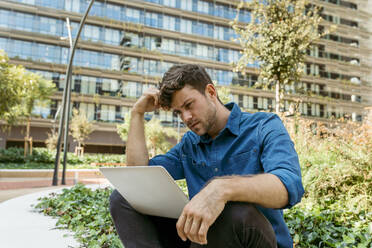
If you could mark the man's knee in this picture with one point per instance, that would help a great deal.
(244, 215)
(117, 201)
(243, 222)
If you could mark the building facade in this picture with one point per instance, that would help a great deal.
(126, 46)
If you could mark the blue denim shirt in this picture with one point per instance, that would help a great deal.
(249, 144)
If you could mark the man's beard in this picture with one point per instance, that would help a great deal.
(210, 121)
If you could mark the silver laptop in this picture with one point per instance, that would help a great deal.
(148, 189)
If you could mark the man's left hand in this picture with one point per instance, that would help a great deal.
(201, 212)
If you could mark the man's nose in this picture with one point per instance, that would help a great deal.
(186, 116)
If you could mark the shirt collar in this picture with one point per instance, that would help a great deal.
(233, 123)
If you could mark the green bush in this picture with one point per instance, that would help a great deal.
(41, 155)
(12, 155)
(85, 212)
(326, 227)
(44, 158)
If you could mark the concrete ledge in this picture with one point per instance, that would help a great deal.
(21, 226)
(48, 173)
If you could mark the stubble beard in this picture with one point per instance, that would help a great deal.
(210, 121)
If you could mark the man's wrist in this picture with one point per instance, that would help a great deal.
(135, 112)
(224, 187)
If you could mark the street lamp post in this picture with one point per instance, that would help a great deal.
(66, 99)
(67, 118)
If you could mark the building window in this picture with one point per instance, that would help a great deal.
(88, 109)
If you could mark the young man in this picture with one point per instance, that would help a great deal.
(241, 170)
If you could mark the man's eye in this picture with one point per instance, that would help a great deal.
(188, 105)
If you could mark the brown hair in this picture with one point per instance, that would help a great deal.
(177, 77)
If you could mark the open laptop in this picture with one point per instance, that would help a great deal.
(148, 189)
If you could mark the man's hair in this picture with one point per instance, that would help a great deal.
(177, 77)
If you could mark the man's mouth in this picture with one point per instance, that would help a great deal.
(193, 125)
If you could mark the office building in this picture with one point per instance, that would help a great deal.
(126, 46)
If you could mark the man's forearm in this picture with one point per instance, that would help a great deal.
(264, 189)
(136, 150)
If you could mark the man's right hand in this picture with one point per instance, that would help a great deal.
(148, 102)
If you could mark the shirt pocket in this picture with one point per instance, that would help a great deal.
(243, 163)
(197, 167)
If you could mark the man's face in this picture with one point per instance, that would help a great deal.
(196, 110)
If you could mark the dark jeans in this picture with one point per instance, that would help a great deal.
(239, 225)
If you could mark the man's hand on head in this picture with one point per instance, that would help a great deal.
(200, 213)
(148, 102)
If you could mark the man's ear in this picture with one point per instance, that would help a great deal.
(211, 91)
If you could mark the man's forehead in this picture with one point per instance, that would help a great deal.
(178, 101)
(181, 96)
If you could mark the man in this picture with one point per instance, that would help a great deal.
(241, 170)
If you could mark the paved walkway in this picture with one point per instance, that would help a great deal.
(21, 226)
(11, 187)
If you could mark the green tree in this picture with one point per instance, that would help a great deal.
(51, 141)
(224, 94)
(10, 88)
(20, 91)
(157, 136)
(277, 38)
(80, 129)
(35, 90)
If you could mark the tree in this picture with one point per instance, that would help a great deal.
(80, 129)
(35, 90)
(224, 94)
(51, 141)
(157, 136)
(277, 38)
(10, 88)
(20, 90)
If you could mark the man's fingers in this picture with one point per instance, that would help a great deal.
(194, 230)
(203, 230)
(180, 227)
(153, 93)
(188, 224)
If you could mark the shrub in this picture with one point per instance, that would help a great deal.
(45, 156)
(85, 212)
(12, 155)
(321, 226)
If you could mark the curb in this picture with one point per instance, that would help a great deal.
(22, 226)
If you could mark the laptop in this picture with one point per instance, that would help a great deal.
(150, 190)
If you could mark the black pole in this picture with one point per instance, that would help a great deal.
(67, 120)
(66, 91)
(61, 120)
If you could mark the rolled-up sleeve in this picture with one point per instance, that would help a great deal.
(171, 161)
(279, 157)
